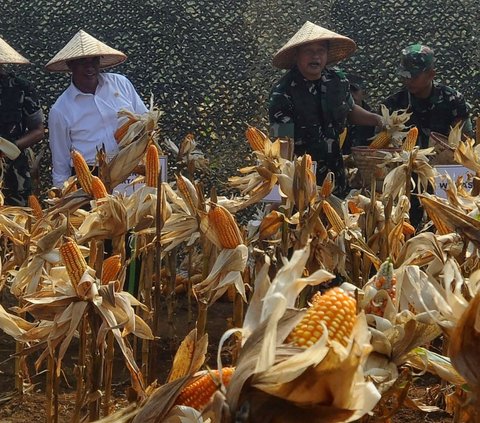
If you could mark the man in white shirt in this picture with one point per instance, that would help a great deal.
(84, 117)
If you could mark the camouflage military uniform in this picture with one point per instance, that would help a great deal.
(319, 112)
(441, 110)
(18, 107)
(437, 113)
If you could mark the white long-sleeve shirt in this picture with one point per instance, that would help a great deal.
(84, 121)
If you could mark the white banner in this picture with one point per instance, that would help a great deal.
(454, 171)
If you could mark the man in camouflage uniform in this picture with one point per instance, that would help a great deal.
(316, 99)
(434, 106)
(21, 122)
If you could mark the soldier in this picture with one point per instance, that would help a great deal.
(434, 106)
(21, 122)
(314, 100)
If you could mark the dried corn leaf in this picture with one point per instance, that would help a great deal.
(189, 356)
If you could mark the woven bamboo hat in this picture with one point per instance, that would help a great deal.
(9, 55)
(340, 47)
(84, 45)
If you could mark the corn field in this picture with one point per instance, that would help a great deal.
(336, 305)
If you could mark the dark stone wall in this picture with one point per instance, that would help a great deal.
(207, 62)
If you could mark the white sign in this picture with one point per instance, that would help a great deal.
(454, 171)
(128, 187)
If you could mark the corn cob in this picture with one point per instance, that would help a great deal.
(222, 221)
(34, 204)
(198, 393)
(334, 219)
(440, 225)
(381, 140)
(152, 166)
(410, 139)
(256, 138)
(327, 185)
(385, 279)
(342, 137)
(123, 128)
(335, 309)
(82, 171)
(76, 220)
(110, 268)
(408, 229)
(98, 188)
(73, 259)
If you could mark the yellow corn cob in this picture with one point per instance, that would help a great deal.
(440, 225)
(222, 221)
(327, 185)
(333, 218)
(76, 220)
(84, 176)
(110, 268)
(410, 139)
(152, 166)
(342, 137)
(197, 394)
(256, 138)
(335, 309)
(73, 259)
(385, 279)
(34, 204)
(98, 188)
(408, 229)
(123, 128)
(381, 140)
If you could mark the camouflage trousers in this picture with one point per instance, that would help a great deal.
(17, 183)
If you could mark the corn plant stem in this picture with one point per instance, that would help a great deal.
(18, 361)
(19, 358)
(145, 296)
(96, 367)
(80, 370)
(171, 297)
(51, 412)
(157, 294)
(189, 290)
(108, 373)
(237, 322)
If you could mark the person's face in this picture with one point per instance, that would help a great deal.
(85, 71)
(420, 84)
(312, 58)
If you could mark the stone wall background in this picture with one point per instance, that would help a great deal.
(208, 62)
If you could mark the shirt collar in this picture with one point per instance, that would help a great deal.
(74, 92)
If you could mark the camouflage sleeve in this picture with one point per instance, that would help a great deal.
(32, 112)
(280, 108)
(460, 110)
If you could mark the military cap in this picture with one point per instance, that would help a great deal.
(414, 60)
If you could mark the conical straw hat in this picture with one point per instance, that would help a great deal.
(340, 47)
(9, 55)
(84, 45)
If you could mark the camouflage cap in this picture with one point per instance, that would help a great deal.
(415, 60)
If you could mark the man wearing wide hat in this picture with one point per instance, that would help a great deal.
(312, 102)
(84, 117)
(21, 123)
